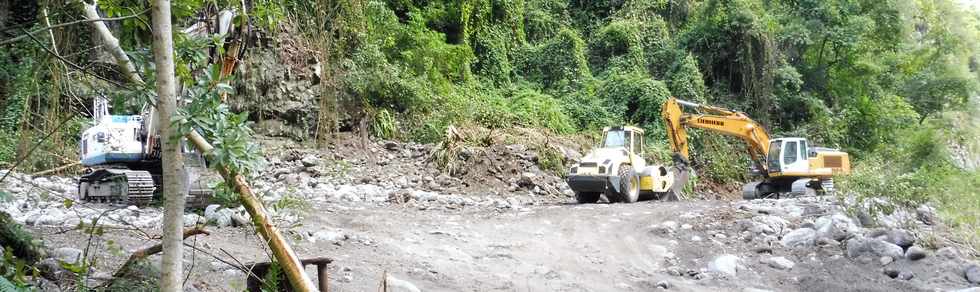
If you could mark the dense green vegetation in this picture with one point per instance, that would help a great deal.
(892, 82)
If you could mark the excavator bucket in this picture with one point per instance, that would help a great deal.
(682, 174)
(681, 177)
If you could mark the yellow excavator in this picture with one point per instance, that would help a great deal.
(788, 166)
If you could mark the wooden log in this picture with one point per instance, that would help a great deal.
(56, 169)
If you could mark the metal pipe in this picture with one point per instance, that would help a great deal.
(687, 103)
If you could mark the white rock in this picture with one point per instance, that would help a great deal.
(972, 273)
(67, 254)
(837, 227)
(770, 224)
(666, 227)
(241, 218)
(330, 236)
(726, 264)
(192, 219)
(399, 285)
(210, 209)
(803, 237)
(220, 217)
(779, 263)
(884, 261)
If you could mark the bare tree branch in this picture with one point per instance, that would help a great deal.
(23, 36)
(73, 65)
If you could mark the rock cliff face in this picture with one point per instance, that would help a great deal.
(278, 88)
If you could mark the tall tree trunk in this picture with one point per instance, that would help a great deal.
(173, 164)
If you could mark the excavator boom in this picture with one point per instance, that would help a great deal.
(724, 121)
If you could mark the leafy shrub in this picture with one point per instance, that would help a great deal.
(491, 47)
(536, 109)
(543, 19)
(620, 38)
(685, 80)
(8, 145)
(722, 158)
(636, 97)
(875, 122)
(384, 125)
(556, 63)
(586, 111)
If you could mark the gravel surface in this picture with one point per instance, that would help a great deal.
(516, 230)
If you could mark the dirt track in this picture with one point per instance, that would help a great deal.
(558, 247)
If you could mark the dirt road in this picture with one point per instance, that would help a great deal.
(553, 247)
(545, 248)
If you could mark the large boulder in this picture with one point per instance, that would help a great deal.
(837, 227)
(218, 216)
(899, 237)
(310, 161)
(67, 255)
(915, 253)
(399, 285)
(725, 264)
(859, 246)
(927, 215)
(190, 220)
(972, 273)
(778, 262)
(802, 237)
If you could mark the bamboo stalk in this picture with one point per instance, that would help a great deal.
(283, 253)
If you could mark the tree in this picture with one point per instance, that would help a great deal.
(173, 164)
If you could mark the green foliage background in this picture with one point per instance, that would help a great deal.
(892, 81)
(853, 74)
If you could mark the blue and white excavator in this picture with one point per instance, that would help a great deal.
(122, 159)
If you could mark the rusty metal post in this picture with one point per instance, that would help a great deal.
(322, 278)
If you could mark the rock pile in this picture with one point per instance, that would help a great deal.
(781, 235)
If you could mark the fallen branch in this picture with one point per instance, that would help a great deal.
(56, 169)
(155, 249)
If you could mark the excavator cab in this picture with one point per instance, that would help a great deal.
(788, 156)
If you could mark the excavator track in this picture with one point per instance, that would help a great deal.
(120, 186)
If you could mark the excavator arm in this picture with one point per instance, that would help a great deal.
(715, 119)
